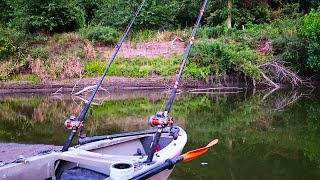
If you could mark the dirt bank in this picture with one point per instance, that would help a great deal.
(146, 50)
(67, 85)
(12, 151)
(113, 83)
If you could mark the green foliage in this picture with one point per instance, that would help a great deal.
(5, 12)
(159, 14)
(139, 67)
(94, 68)
(89, 8)
(46, 16)
(288, 11)
(311, 31)
(41, 53)
(101, 35)
(256, 12)
(156, 14)
(146, 35)
(211, 32)
(293, 51)
(33, 78)
(7, 47)
(218, 58)
(11, 42)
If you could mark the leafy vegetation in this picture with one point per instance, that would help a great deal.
(311, 32)
(43, 38)
(101, 35)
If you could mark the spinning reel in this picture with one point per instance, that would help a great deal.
(72, 123)
(160, 120)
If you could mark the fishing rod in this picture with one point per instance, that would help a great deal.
(161, 119)
(178, 78)
(74, 123)
(172, 132)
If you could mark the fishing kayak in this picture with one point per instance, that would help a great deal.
(123, 157)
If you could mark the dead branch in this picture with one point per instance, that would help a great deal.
(281, 101)
(270, 82)
(89, 89)
(57, 92)
(290, 99)
(177, 38)
(81, 76)
(277, 71)
(86, 101)
(269, 93)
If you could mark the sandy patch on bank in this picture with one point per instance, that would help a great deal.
(146, 50)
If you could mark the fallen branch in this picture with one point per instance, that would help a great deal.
(270, 82)
(269, 93)
(277, 71)
(86, 101)
(81, 76)
(57, 92)
(281, 101)
(89, 89)
(177, 38)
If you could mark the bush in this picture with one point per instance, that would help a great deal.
(46, 16)
(101, 35)
(11, 42)
(5, 12)
(7, 47)
(211, 32)
(155, 14)
(221, 58)
(310, 31)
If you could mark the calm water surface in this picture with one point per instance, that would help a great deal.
(262, 135)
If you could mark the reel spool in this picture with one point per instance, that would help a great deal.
(159, 120)
(73, 123)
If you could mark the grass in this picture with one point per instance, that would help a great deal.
(139, 67)
(32, 78)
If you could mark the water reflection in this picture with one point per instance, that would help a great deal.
(265, 135)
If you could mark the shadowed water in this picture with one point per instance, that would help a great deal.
(262, 135)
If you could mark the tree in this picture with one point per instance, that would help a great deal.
(46, 16)
(5, 11)
(156, 14)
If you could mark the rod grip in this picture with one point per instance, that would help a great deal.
(69, 141)
(168, 164)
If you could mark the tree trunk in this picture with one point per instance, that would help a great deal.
(229, 20)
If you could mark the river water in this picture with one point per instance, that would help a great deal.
(262, 135)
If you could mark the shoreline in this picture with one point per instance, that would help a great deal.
(113, 83)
